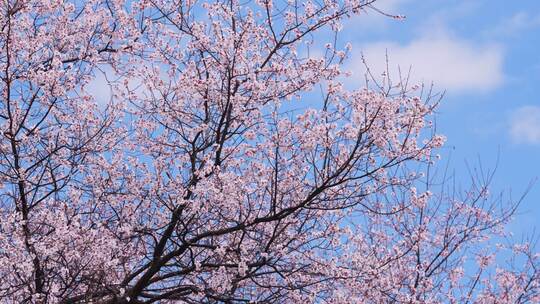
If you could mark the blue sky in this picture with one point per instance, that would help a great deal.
(486, 55)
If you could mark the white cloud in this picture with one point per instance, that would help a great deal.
(450, 63)
(517, 23)
(100, 86)
(525, 125)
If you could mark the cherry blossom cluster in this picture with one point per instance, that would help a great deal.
(230, 163)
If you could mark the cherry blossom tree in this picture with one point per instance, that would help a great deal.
(230, 164)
